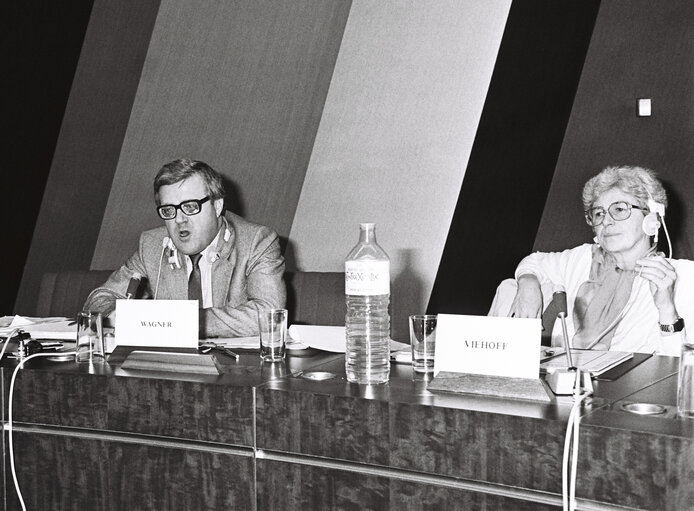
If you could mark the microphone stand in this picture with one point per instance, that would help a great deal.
(572, 380)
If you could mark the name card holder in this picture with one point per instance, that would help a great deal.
(498, 357)
(162, 323)
(494, 386)
(166, 361)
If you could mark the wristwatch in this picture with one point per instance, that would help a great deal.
(677, 326)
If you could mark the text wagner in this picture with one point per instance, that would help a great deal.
(156, 324)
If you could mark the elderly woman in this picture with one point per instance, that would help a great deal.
(622, 294)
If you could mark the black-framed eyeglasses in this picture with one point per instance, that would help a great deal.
(189, 207)
(619, 210)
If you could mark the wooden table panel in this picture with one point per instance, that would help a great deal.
(649, 458)
(289, 487)
(61, 472)
(163, 407)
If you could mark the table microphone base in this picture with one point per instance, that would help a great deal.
(563, 381)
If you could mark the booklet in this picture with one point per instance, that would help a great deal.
(593, 361)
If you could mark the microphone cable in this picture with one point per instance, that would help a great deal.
(161, 257)
(667, 236)
(568, 479)
(9, 418)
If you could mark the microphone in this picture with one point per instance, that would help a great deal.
(559, 298)
(570, 380)
(133, 285)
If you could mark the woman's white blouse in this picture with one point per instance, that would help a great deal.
(638, 330)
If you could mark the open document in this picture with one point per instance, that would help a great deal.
(593, 361)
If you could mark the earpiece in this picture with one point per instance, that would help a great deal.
(168, 243)
(173, 252)
(651, 222)
(227, 234)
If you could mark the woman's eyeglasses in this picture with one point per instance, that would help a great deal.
(618, 211)
(189, 207)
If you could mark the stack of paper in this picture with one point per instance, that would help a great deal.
(300, 337)
(40, 328)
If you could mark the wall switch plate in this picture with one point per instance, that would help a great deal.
(643, 107)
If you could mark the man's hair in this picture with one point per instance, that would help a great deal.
(178, 170)
(640, 182)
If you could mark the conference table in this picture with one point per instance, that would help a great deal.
(297, 435)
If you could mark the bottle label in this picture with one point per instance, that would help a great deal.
(367, 278)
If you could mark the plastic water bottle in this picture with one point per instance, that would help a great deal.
(367, 323)
(685, 386)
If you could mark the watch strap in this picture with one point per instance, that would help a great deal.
(677, 326)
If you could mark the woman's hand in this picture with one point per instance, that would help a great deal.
(528, 300)
(661, 276)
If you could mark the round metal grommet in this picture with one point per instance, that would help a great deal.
(318, 375)
(643, 408)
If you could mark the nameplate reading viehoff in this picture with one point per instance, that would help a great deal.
(488, 345)
(165, 323)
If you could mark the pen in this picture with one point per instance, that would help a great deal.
(228, 352)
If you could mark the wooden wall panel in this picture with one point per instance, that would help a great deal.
(639, 49)
(238, 84)
(396, 133)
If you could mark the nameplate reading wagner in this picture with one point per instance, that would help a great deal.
(166, 323)
(488, 345)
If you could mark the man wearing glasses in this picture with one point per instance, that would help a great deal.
(231, 266)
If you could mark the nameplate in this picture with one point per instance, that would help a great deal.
(488, 345)
(172, 362)
(165, 323)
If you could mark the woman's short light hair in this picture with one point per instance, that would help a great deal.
(640, 182)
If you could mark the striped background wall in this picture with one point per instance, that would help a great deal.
(446, 123)
(396, 132)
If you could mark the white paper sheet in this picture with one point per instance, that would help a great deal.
(60, 328)
(328, 338)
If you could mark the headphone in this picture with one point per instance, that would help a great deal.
(213, 255)
(651, 222)
(167, 243)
